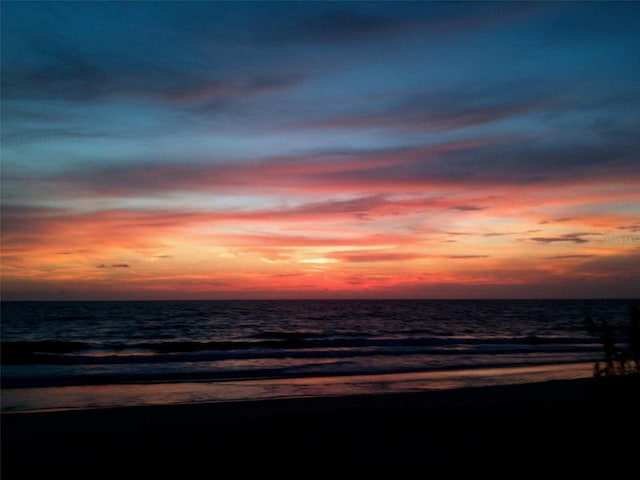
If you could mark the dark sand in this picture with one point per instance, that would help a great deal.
(557, 428)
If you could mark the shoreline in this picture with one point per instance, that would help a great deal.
(555, 420)
(90, 396)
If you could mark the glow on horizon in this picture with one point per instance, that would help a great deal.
(320, 150)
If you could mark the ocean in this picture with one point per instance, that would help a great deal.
(78, 355)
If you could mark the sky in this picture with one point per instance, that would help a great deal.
(246, 150)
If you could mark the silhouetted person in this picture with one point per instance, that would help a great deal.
(634, 336)
(607, 342)
(597, 370)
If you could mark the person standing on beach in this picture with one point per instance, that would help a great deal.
(634, 336)
(608, 344)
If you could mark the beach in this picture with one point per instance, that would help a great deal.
(577, 426)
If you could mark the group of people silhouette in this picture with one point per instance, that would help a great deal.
(618, 360)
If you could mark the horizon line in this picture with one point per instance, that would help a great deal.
(390, 299)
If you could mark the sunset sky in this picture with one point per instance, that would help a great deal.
(210, 150)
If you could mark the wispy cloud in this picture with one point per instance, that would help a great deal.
(569, 257)
(440, 110)
(369, 256)
(570, 237)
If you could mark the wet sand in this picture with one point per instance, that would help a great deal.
(572, 427)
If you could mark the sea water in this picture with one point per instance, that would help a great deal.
(59, 355)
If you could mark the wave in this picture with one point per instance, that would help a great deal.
(81, 353)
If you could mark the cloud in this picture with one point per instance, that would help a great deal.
(333, 25)
(468, 208)
(348, 22)
(451, 166)
(451, 108)
(324, 170)
(59, 63)
(27, 220)
(369, 256)
(77, 79)
(245, 87)
(623, 267)
(569, 237)
(631, 228)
